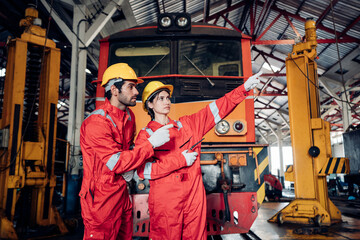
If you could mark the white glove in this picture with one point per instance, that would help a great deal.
(190, 157)
(160, 136)
(128, 175)
(252, 81)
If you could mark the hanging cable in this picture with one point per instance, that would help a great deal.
(338, 99)
(163, 5)
(340, 64)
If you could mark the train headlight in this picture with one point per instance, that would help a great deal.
(183, 21)
(238, 126)
(174, 22)
(165, 21)
(222, 127)
(231, 127)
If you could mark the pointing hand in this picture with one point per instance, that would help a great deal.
(128, 175)
(252, 81)
(160, 136)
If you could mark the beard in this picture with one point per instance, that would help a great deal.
(127, 102)
(130, 104)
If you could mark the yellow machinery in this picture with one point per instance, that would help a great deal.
(310, 137)
(28, 131)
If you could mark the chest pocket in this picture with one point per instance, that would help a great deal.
(175, 137)
(185, 135)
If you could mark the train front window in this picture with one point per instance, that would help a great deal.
(146, 58)
(210, 58)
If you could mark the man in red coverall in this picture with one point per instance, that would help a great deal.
(177, 199)
(106, 136)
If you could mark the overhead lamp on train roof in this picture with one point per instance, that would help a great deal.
(174, 22)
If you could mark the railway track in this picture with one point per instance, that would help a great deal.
(350, 208)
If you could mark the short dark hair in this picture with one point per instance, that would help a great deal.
(118, 85)
(151, 99)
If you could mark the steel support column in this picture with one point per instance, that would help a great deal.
(77, 85)
(346, 112)
(280, 145)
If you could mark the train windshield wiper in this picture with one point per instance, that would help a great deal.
(198, 69)
(157, 63)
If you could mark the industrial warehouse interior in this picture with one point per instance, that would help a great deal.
(278, 157)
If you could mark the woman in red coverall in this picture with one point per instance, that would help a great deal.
(106, 136)
(177, 200)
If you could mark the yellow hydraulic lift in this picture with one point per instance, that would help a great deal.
(310, 138)
(28, 131)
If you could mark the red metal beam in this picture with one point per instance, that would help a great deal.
(339, 116)
(297, 17)
(270, 25)
(67, 97)
(255, 11)
(264, 57)
(232, 25)
(271, 85)
(291, 41)
(257, 21)
(273, 74)
(274, 42)
(356, 116)
(216, 20)
(350, 26)
(323, 15)
(334, 118)
(268, 55)
(271, 94)
(286, 14)
(340, 40)
(291, 25)
(252, 21)
(266, 108)
(226, 10)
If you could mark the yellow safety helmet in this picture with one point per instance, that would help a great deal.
(153, 87)
(119, 71)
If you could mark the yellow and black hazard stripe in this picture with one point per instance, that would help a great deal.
(335, 165)
(262, 157)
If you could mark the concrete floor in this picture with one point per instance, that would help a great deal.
(348, 229)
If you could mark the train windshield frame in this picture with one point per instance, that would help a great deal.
(199, 56)
(210, 57)
(147, 58)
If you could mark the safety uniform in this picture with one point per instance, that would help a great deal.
(105, 138)
(177, 199)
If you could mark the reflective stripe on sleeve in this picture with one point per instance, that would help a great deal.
(97, 112)
(215, 112)
(147, 170)
(179, 124)
(108, 117)
(102, 113)
(113, 160)
(149, 131)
